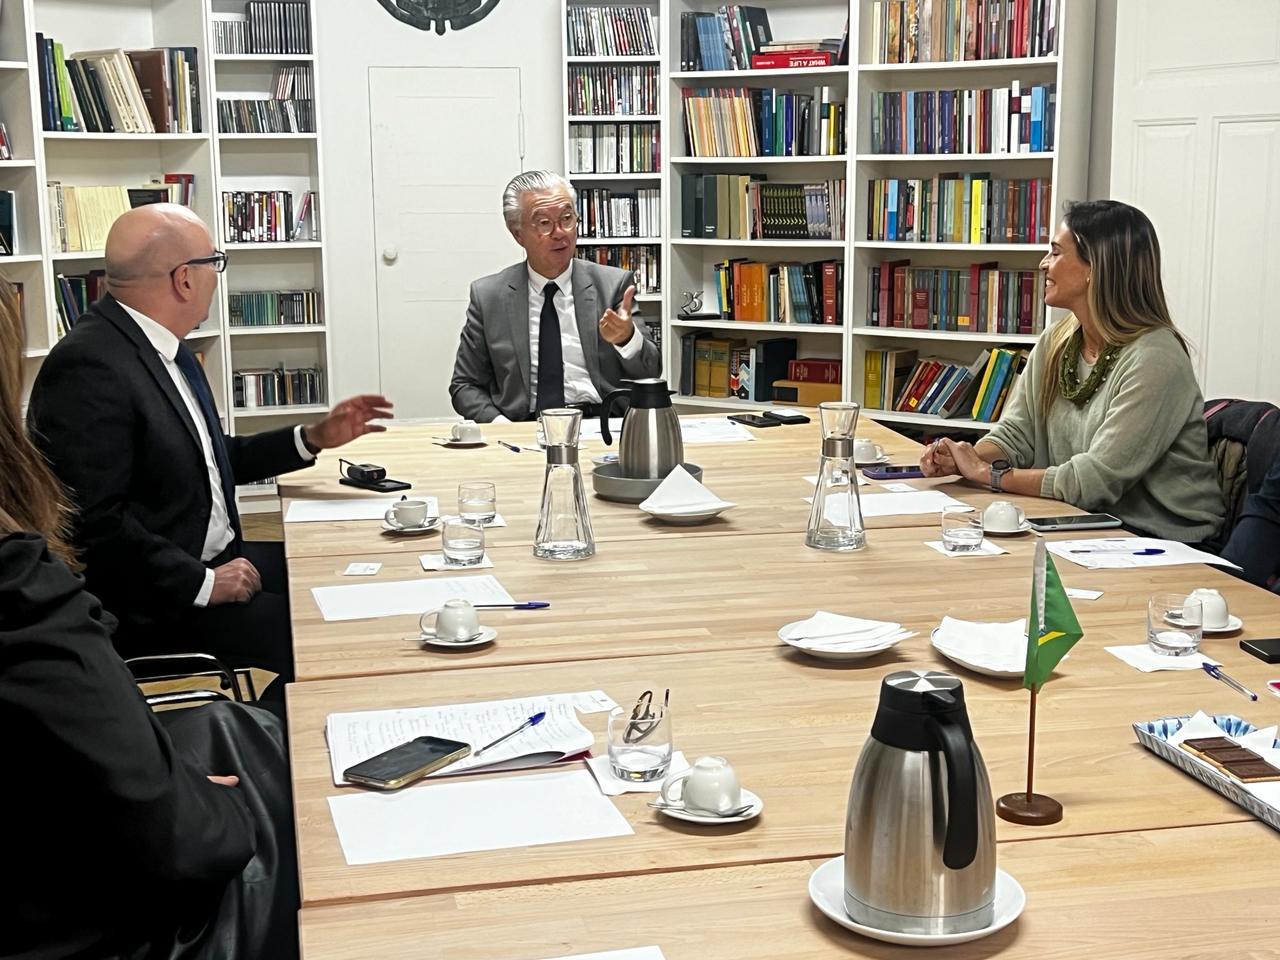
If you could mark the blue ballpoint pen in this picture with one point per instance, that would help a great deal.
(523, 605)
(533, 721)
(1145, 552)
(510, 446)
(1232, 682)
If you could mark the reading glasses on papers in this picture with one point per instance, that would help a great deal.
(545, 226)
(643, 720)
(217, 260)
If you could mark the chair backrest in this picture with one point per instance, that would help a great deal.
(1244, 440)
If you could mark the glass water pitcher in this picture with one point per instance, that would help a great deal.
(564, 526)
(835, 522)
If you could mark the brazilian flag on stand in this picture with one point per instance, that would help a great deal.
(1052, 627)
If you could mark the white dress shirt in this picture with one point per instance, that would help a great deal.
(220, 532)
(578, 387)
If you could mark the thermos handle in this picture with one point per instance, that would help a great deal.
(961, 843)
(605, 405)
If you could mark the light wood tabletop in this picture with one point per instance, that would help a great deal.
(764, 478)
(793, 727)
(1202, 892)
(652, 596)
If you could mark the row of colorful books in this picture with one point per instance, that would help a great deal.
(1013, 119)
(643, 260)
(280, 387)
(274, 308)
(269, 216)
(716, 366)
(620, 90)
(82, 215)
(980, 298)
(740, 37)
(612, 31)
(747, 207)
(925, 31)
(960, 208)
(614, 148)
(763, 122)
(752, 292)
(604, 213)
(73, 294)
(897, 380)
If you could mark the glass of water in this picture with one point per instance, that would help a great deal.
(1175, 624)
(640, 740)
(961, 529)
(477, 501)
(463, 543)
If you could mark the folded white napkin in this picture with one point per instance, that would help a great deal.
(681, 493)
(985, 549)
(1142, 657)
(995, 646)
(612, 786)
(832, 631)
(436, 561)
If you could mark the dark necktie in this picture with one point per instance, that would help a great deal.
(550, 353)
(190, 367)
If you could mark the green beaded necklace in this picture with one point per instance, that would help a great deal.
(1069, 370)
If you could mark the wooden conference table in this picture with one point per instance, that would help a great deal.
(700, 616)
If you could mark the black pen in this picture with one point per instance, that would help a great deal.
(510, 446)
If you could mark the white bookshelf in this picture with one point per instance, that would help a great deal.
(219, 162)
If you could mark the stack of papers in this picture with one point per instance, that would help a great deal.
(401, 597)
(682, 495)
(834, 632)
(993, 649)
(1115, 553)
(362, 508)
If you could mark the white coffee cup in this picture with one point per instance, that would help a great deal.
(407, 513)
(865, 451)
(1001, 516)
(1213, 606)
(468, 431)
(456, 620)
(709, 786)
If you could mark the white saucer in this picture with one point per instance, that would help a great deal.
(486, 635)
(986, 671)
(1233, 624)
(689, 519)
(431, 523)
(460, 444)
(826, 890)
(856, 653)
(1022, 528)
(747, 797)
(883, 458)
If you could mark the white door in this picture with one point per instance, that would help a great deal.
(1196, 145)
(445, 142)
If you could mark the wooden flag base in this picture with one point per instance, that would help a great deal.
(1032, 809)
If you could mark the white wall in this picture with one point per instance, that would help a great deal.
(355, 35)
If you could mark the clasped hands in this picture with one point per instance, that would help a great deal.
(616, 325)
(947, 458)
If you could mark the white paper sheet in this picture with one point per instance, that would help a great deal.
(362, 508)
(432, 562)
(1077, 593)
(985, 549)
(357, 736)
(437, 819)
(362, 569)
(890, 504)
(1116, 553)
(899, 487)
(714, 430)
(399, 597)
(634, 953)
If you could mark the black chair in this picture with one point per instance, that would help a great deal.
(184, 666)
(1244, 440)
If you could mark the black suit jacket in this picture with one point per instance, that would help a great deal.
(112, 839)
(107, 415)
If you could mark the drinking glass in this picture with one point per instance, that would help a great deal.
(961, 529)
(640, 740)
(463, 542)
(1175, 624)
(477, 501)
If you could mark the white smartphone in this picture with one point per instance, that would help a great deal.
(1081, 521)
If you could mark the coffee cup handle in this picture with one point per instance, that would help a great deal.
(672, 782)
(423, 626)
(389, 516)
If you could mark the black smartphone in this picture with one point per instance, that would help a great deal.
(385, 485)
(1083, 521)
(786, 416)
(406, 763)
(754, 420)
(889, 471)
(1268, 651)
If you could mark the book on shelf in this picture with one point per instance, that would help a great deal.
(959, 208)
(712, 366)
(643, 260)
(279, 387)
(1015, 119)
(815, 370)
(614, 90)
(927, 31)
(81, 216)
(119, 91)
(612, 31)
(73, 295)
(804, 394)
(266, 216)
(8, 223)
(942, 387)
(288, 108)
(605, 214)
(627, 147)
(752, 292)
(749, 207)
(266, 26)
(273, 308)
(6, 145)
(765, 122)
(306, 225)
(724, 40)
(885, 373)
(980, 298)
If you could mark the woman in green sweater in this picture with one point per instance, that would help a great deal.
(1107, 414)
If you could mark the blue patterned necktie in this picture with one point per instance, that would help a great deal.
(190, 367)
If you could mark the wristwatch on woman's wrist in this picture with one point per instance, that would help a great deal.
(998, 469)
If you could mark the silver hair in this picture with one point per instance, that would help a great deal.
(531, 181)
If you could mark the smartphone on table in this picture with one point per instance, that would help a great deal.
(786, 416)
(406, 763)
(1082, 521)
(1268, 651)
(889, 471)
(754, 420)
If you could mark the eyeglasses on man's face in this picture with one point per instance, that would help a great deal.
(544, 226)
(217, 260)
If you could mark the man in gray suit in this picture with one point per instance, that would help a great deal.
(535, 336)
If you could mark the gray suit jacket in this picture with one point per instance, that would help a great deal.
(491, 374)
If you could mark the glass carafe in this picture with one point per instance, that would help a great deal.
(835, 522)
(564, 526)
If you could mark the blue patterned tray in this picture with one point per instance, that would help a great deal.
(1154, 735)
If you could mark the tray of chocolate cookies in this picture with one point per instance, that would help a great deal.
(1224, 752)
